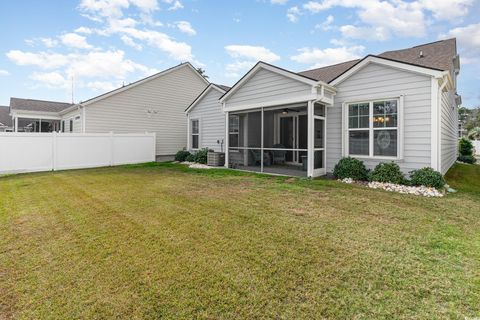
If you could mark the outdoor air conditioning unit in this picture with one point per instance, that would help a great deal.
(215, 159)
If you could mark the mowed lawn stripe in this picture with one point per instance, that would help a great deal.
(163, 241)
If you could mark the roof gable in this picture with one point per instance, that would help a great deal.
(141, 81)
(220, 88)
(265, 66)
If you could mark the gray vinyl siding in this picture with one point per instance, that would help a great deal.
(265, 86)
(448, 130)
(212, 120)
(167, 95)
(376, 81)
(77, 124)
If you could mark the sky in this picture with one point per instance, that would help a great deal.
(51, 49)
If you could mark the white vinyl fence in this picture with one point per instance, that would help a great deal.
(28, 152)
(476, 145)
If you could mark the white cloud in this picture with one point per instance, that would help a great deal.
(293, 13)
(146, 5)
(102, 86)
(53, 80)
(84, 30)
(49, 42)
(317, 58)
(186, 27)
(74, 40)
(468, 39)
(378, 33)
(129, 42)
(237, 68)
(447, 9)
(104, 8)
(42, 60)
(282, 2)
(252, 53)
(4, 73)
(245, 57)
(397, 17)
(327, 24)
(174, 4)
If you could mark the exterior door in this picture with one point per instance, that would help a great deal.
(287, 138)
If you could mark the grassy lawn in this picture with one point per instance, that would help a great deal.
(163, 241)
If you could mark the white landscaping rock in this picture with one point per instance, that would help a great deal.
(195, 165)
(419, 191)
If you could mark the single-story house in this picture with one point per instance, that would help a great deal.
(153, 104)
(396, 106)
(5, 119)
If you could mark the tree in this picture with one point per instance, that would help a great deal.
(202, 72)
(474, 134)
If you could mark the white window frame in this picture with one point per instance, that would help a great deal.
(371, 129)
(195, 134)
(236, 133)
(71, 123)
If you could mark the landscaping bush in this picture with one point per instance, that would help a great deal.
(427, 177)
(190, 158)
(465, 147)
(182, 155)
(350, 168)
(467, 159)
(387, 172)
(201, 156)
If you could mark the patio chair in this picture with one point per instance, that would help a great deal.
(279, 156)
(256, 157)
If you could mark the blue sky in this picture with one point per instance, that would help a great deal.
(101, 44)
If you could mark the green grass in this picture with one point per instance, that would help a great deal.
(163, 241)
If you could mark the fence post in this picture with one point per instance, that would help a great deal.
(112, 160)
(54, 151)
(154, 146)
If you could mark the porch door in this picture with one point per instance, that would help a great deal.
(319, 156)
(287, 138)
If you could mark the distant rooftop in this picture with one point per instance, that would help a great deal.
(38, 105)
(5, 118)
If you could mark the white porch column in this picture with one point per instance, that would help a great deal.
(310, 139)
(16, 124)
(227, 142)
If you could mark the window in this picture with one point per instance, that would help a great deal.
(63, 125)
(373, 129)
(233, 131)
(195, 133)
(71, 125)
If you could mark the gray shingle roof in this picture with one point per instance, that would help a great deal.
(221, 86)
(435, 55)
(38, 105)
(5, 118)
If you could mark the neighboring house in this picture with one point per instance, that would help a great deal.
(397, 106)
(154, 104)
(31, 115)
(5, 119)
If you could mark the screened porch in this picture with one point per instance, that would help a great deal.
(275, 140)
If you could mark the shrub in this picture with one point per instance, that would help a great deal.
(350, 168)
(190, 158)
(201, 156)
(387, 172)
(427, 177)
(182, 155)
(465, 147)
(467, 159)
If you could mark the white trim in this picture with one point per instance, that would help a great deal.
(434, 138)
(310, 139)
(203, 94)
(188, 132)
(35, 115)
(142, 81)
(371, 129)
(196, 134)
(84, 122)
(439, 122)
(227, 129)
(401, 126)
(279, 103)
(393, 64)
